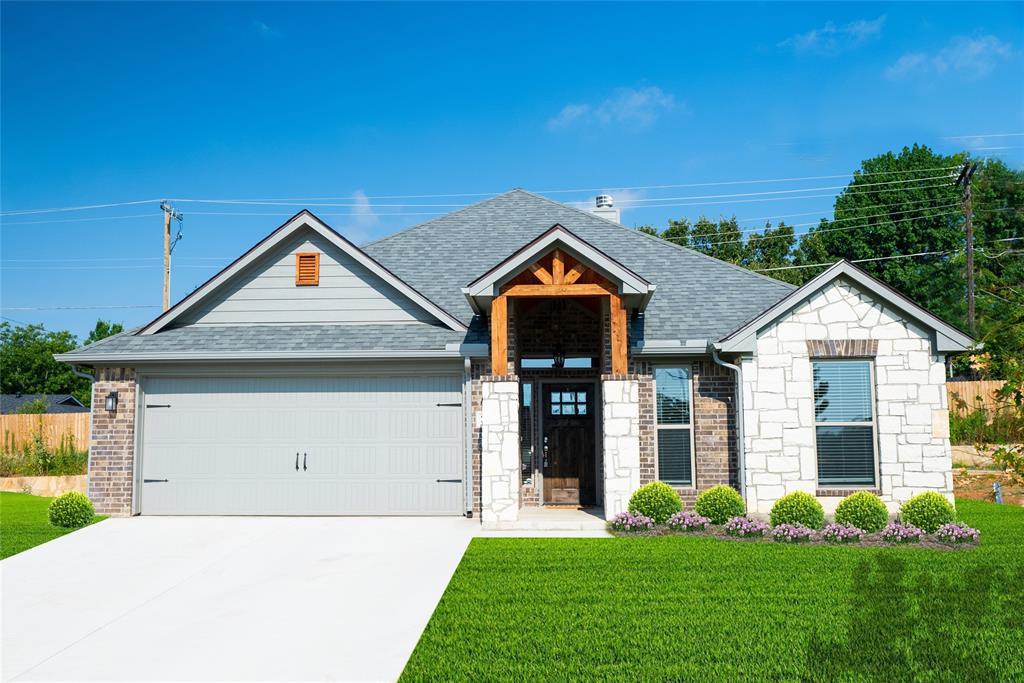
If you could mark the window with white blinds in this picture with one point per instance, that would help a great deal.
(673, 396)
(844, 422)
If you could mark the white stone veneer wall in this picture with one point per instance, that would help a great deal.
(621, 420)
(499, 453)
(912, 424)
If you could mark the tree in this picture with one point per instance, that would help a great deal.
(35, 407)
(27, 365)
(103, 329)
(898, 205)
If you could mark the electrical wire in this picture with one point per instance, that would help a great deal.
(23, 212)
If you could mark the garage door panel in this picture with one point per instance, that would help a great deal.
(372, 445)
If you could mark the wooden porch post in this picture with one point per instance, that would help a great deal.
(499, 336)
(617, 310)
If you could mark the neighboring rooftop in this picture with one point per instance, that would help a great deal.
(55, 403)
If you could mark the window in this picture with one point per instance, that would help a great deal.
(307, 269)
(526, 432)
(548, 363)
(844, 422)
(672, 388)
(568, 403)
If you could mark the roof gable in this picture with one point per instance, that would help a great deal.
(948, 339)
(209, 302)
(558, 237)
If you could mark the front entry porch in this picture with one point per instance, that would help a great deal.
(554, 519)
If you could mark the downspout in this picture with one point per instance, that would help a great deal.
(467, 410)
(740, 459)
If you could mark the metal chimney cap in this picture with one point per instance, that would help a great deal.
(604, 201)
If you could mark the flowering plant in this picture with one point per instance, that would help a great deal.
(627, 521)
(744, 527)
(957, 533)
(896, 532)
(841, 533)
(791, 533)
(688, 521)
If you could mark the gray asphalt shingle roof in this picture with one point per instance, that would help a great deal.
(272, 340)
(697, 297)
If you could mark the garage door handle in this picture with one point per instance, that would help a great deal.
(296, 461)
(304, 462)
(449, 481)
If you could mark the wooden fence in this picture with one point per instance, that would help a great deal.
(19, 430)
(966, 397)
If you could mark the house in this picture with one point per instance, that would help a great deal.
(54, 403)
(518, 352)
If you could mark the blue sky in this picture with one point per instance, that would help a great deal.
(121, 102)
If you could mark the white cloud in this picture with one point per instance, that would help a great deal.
(627, 107)
(969, 57)
(362, 213)
(831, 38)
(264, 29)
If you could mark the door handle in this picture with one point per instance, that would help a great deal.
(304, 462)
(296, 461)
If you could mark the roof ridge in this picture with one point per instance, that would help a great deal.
(441, 217)
(659, 239)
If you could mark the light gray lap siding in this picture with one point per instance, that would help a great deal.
(266, 293)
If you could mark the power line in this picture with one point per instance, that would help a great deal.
(26, 212)
(23, 212)
(877, 258)
(75, 308)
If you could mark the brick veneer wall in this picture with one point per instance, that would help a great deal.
(112, 442)
(714, 427)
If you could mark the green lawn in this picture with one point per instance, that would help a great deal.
(24, 524)
(685, 608)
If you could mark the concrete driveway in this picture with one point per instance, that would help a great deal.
(216, 598)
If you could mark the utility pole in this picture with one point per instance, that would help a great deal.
(169, 213)
(964, 182)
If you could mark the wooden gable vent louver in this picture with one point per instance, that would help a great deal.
(307, 269)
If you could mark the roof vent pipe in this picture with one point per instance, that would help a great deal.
(605, 208)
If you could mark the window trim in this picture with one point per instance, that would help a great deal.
(873, 424)
(690, 425)
(307, 282)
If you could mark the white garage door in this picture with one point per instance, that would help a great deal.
(382, 445)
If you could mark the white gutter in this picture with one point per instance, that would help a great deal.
(740, 459)
(253, 355)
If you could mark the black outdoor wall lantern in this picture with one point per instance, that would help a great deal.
(111, 402)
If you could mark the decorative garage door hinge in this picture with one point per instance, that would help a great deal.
(450, 405)
(154, 481)
(158, 405)
(449, 481)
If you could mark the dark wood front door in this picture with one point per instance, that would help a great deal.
(568, 444)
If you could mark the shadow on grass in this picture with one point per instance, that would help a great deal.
(904, 626)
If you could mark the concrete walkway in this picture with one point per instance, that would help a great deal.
(218, 598)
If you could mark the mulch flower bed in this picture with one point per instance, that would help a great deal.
(962, 539)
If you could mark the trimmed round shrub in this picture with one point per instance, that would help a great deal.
(928, 511)
(71, 510)
(656, 500)
(863, 510)
(720, 503)
(800, 508)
